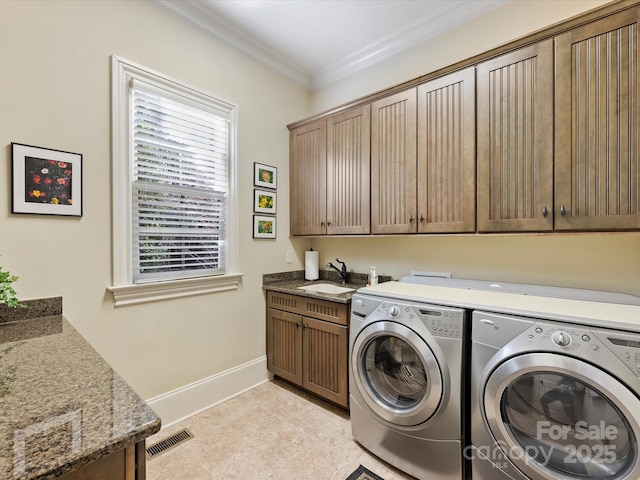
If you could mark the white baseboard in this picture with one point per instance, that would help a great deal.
(191, 399)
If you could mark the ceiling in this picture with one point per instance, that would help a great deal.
(316, 42)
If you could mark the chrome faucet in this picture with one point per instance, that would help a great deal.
(342, 271)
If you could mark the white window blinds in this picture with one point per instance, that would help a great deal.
(179, 186)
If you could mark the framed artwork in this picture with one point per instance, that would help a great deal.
(264, 201)
(265, 176)
(264, 226)
(46, 181)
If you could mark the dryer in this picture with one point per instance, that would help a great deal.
(406, 383)
(553, 400)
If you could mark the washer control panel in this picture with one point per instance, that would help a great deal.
(441, 321)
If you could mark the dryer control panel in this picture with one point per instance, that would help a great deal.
(626, 346)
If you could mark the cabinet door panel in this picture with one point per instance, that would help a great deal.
(284, 345)
(515, 140)
(596, 129)
(348, 172)
(393, 164)
(308, 175)
(446, 154)
(325, 360)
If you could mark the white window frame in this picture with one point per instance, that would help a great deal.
(124, 291)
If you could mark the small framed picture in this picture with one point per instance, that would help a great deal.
(264, 201)
(264, 176)
(46, 181)
(264, 226)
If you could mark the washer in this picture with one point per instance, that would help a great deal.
(553, 400)
(406, 383)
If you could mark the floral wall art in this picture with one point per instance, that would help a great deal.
(264, 201)
(264, 226)
(265, 175)
(46, 181)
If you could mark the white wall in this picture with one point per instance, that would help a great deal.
(55, 92)
(596, 261)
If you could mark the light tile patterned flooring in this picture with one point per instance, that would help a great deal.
(272, 432)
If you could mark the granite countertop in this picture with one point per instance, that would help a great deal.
(61, 404)
(288, 282)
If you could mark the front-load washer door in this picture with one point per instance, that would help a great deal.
(558, 417)
(397, 373)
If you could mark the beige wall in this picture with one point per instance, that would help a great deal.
(55, 91)
(597, 261)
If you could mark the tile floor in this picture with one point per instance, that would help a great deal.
(272, 432)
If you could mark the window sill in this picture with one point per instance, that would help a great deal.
(151, 292)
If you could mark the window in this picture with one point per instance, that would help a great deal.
(173, 195)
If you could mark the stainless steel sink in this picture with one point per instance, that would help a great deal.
(326, 288)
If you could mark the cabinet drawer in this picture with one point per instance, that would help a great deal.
(310, 307)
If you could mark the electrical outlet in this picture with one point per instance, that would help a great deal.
(289, 256)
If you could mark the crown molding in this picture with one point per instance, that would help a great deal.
(198, 15)
(392, 45)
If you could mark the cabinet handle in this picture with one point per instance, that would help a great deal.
(328, 223)
(421, 218)
(544, 211)
(411, 219)
(322, 224)
(563, 212)
(304, 325)
(297, 324)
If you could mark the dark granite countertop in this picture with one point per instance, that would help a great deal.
(61, 404)
(288, 282)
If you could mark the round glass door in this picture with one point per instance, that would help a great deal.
(556, 417)
(397, 373)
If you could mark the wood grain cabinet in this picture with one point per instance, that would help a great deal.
(307, 344)
(446, 154)
(423, 158)
(308, 179)
(125, 464)
(560, 151)
(515, 140)
(552, 144)
(329, 175)
(596, 137)
(393, 163)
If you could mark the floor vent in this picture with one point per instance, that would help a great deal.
(168, 443)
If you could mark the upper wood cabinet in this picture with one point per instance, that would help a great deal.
(596, 143)
(393, 163)
(515, 140)
(308, 178)
(348, 172)
(540, 135)
(446, 154)
(329, 175)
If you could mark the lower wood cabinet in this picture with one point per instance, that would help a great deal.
(308, 344)
(125, 464)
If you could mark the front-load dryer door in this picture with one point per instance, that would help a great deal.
(557, 417)
(397, 373)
